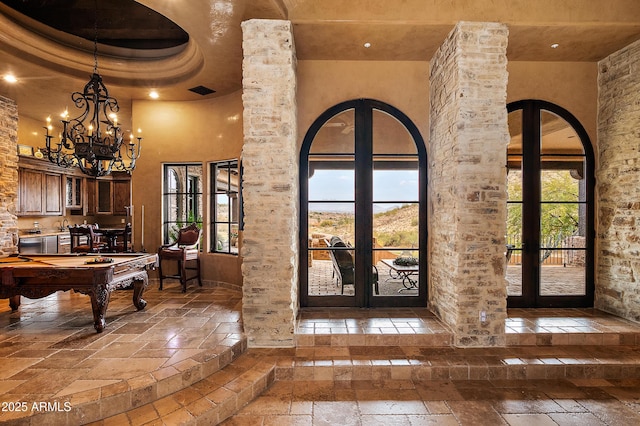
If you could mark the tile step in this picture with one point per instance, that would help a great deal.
(419, 363)
(209, 401)
(100, 403)
(220, 395)
(446, 339)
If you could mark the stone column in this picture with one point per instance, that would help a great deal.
(617, 184)
(8, 176)
(270, 184)
(467, 183)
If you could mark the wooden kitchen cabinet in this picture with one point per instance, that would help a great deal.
(113, 194)
(39, 193)
(121, 196)
(73, 192)
(45, 189)
(90, 199)
(104, 197)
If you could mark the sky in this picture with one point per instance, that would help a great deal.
(388, 185)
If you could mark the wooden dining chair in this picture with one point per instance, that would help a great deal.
(122, 240)
(185, 250)
(84, 240)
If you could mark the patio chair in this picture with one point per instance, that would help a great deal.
(343, 266)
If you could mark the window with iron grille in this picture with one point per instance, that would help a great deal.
(181, 198)
(225, 207)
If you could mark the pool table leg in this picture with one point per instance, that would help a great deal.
(14, 303)
(99, 302)
(139, 284)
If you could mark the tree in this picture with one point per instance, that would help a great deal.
(559, 215)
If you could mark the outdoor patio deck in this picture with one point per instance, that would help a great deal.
(556, 279)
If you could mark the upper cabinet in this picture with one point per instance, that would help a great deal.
(73, 192)
(114, 194)
(121, 196)
(44, 189)
(39, 192)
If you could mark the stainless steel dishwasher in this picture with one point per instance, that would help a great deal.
(30, 245)
(37, 245)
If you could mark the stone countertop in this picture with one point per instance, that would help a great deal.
(23, 233)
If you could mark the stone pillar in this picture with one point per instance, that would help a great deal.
(617, 177)
(467, 183)
(8, 176)
(270, 184)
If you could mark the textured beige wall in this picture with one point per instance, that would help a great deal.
(199, 132)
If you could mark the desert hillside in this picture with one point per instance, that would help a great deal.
(396, 227)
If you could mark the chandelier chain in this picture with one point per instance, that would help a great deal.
(95, 37)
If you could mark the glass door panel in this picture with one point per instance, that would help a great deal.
(331, 226)
(514, 249)
(390, 136)
(558, 137)
(332, 185)
(549, 217)
(396, 250)
(562, 209)
(563, 272)
(336, 136)
(396, 230)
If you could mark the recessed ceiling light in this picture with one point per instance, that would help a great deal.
(10, 78)
(555, 45)
(153, 94)
(367, 45)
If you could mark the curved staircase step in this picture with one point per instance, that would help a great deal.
(208, 401)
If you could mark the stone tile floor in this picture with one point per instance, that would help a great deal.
(49, 349)
(445, 402)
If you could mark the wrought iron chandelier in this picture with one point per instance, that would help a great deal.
(93, 140)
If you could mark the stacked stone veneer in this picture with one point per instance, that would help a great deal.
(618, 184)
(270, 182)
(467, 183)
(8, 176)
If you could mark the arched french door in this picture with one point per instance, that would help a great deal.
(363, 224)
(550, 223)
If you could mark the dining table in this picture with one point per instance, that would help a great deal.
(111, 236)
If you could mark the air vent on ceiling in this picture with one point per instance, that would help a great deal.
(201, 90)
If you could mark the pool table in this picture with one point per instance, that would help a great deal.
(36, 276)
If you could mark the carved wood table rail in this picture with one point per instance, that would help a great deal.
(36, 276)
